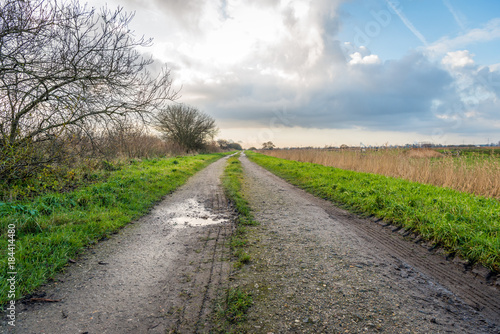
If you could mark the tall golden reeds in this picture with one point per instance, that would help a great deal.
(476, 173)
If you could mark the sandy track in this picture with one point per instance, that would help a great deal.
(317, 268)
(158, 275)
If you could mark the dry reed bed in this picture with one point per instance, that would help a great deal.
(477, 174)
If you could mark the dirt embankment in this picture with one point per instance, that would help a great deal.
(158, 275)
(317, 268)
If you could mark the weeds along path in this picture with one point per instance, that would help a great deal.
(158, 275)
(315, 270)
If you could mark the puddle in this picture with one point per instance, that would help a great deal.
(192, 213)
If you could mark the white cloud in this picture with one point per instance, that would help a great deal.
(460, 58)
(489, 32)
(243, 61)
(471, 114)
(357, 58)
(281, 40)
(495, 67)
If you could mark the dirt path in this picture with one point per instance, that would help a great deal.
(158, 275)
(317, 268)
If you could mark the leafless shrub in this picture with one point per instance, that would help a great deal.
(66, 70)
(186, 126)
(134, 140)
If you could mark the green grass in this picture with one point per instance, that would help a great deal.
(231, 310)
(233, 176)
(231, 181)
(467, 151)
(54, 227)
(461, 223)
(58, 178)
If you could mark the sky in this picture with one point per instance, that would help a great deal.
(316, 73)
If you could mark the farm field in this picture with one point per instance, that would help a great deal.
(476, 171)
(463, 224)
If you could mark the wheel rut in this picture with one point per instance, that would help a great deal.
(474, 289)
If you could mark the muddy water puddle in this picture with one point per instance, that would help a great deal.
(191, 213)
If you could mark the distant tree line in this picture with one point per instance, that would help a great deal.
(228, 145)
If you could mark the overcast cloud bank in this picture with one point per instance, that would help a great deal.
(243, 63)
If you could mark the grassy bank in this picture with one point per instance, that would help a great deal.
(462, 223)
(231, 310)
(473, 171)
(54, 227)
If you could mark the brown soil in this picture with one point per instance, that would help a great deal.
(319, 269)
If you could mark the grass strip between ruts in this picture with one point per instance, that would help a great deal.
(461, 223)
(231, 309)
(55, 227)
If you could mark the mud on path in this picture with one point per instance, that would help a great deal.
(158, 275)
(318, 269)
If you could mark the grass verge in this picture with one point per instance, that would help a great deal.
(50, 229)
(461, 223)
(231, 182)
(231, 309)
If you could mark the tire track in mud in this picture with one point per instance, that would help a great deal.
(475, 290)
(318, 268)
(207, 286)
(161, 272)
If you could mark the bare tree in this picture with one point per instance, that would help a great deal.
(186, 126)
(63, 67)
